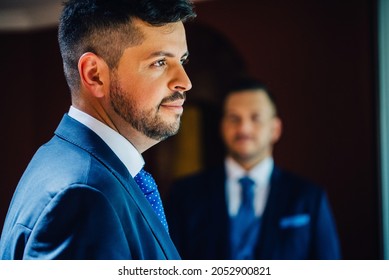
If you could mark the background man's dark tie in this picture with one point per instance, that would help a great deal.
(245, 226)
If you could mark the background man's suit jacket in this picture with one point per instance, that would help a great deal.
(297, 222)
(76, 200)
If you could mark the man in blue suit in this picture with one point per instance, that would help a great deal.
(77, 199)
(248, 208)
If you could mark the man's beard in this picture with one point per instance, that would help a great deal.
(146, 121)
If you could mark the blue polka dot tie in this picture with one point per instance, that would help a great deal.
(149, 188)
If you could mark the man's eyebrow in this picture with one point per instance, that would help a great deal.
(168, 54)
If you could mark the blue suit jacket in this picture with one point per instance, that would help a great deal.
(296, 224)
(76, 200)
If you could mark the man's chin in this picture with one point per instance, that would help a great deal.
(243, 154)
(161, 134)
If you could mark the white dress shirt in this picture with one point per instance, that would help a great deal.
(123, 148)
(260, 174)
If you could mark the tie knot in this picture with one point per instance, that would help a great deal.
(247, 188)
(145, 181)
(246, 182)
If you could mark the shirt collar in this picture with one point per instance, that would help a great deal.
(260, 173)
(123, 148)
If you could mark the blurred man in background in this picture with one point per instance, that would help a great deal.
(248, 208)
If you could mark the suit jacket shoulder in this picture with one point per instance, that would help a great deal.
(76, 200)
(297, 222)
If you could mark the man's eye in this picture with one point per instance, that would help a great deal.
(184, 61)
(232, 119)
(256, 118)
(159, 63)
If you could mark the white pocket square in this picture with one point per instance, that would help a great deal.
(295, 221)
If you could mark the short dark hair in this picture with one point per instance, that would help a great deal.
(103, 27)
(249, 83)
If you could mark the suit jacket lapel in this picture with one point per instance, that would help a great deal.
(219, 224)
(80, 135)
(269, 239)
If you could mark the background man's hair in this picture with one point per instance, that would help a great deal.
(249, 83)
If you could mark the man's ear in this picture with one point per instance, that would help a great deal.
(277, 129)
(94, 74)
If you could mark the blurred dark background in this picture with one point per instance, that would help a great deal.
(318, 57)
